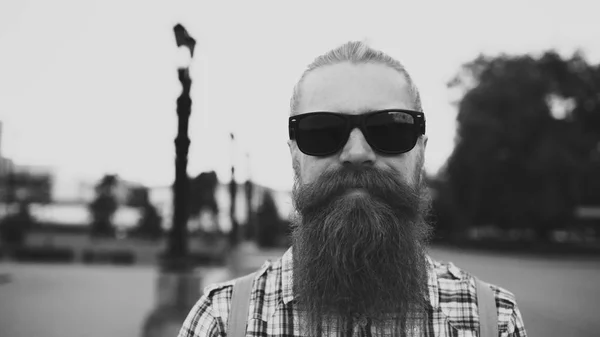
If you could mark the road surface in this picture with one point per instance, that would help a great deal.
(557, 296)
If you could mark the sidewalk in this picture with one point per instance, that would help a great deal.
(76, 300)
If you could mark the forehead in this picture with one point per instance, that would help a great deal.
(354, 88)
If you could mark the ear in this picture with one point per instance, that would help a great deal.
(295, 156)
(293, 146)
(423, 142)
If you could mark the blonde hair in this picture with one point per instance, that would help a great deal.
(355, 52)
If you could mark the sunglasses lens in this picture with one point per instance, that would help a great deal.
(321, 134)
(392, 132)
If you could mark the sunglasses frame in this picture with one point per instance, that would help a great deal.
(357, 121)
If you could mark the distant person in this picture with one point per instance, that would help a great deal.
(358, 265)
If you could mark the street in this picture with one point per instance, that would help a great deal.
(557, 296)
(74, 300)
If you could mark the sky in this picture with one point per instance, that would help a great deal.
(89, 87)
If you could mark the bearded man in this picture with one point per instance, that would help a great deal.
(358, 264)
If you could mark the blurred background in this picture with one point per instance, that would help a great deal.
(104, 217)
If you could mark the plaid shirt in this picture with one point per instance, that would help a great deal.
(452, 295)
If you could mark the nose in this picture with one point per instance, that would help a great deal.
(357, 151)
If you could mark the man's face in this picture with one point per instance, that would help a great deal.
(360, 236)
(356, 89)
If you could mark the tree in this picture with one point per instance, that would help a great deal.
(268, 223)
(14, 227)
(104, 206)
(202, 195)
(528, 130)
(150, 223)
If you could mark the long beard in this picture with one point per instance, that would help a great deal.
(360, 255)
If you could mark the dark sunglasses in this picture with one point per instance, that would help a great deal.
(391, 131)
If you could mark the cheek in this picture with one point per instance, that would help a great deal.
(407, 165)
(308, 169)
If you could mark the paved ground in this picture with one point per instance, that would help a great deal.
(558, 297)
(74, 300)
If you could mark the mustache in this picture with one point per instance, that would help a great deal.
(382, 184)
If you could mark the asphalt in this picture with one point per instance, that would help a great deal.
(557, 296)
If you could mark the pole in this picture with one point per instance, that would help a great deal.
(234, 234)
(177, 248)
(250, 229)
(177, 245)
(178, 285)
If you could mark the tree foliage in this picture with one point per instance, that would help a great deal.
(268, 223)
(202, 193)
(528, 142)
(14, 227)
(150, 224)
(202, 197)
(104, 206)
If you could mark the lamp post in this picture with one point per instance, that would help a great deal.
(178, 286)
(177, 248)
(250, 228)
(234, 234)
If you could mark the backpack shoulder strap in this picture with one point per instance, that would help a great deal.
(488, 314)
(240, 305)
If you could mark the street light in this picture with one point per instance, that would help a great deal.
(241, 247)
(177, 249)
(234, 234)
(249, 189)
(178, 286)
